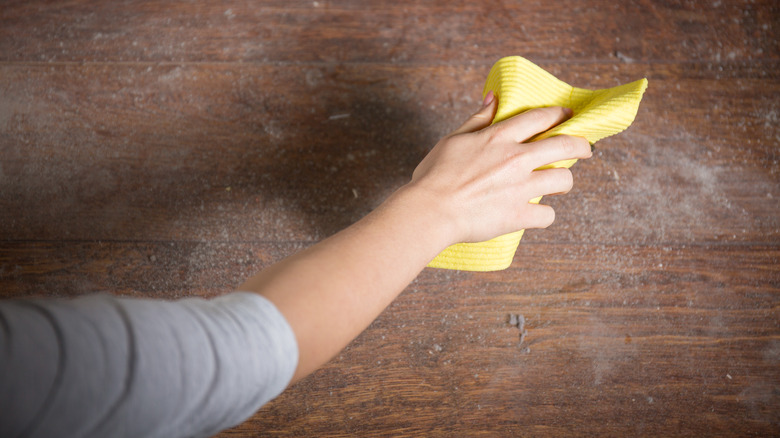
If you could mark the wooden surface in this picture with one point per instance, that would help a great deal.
(169, 149)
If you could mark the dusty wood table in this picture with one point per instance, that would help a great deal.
(169, 149)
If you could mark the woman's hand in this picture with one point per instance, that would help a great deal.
(482, 177)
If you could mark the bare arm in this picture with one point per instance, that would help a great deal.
(475, 184)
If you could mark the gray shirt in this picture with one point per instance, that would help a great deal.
(107, 366)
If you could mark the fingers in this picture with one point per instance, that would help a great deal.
(539, 216)
(526, 125)
(553, 149)
(482, 118)
(552, 182)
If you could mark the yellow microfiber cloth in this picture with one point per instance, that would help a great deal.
(519, 86)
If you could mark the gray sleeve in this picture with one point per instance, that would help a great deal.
(107, 366)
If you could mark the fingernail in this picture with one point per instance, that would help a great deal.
(488, 99)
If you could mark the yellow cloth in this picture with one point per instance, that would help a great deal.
(521, 85)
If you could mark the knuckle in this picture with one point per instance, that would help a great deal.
(579, 145)
(568, 145)
(568, 179)
(479, 117)
(521, 160)
(538, 116)
(496, 133)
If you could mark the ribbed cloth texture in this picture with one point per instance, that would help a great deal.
(521, 85)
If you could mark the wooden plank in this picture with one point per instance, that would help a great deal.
(609, 358)
(126, 152)
(144, 269)
(442, 32)
(626, 339)
(541, 266)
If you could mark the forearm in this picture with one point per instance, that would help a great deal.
(332, 291)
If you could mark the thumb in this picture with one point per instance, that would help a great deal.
(482, 118)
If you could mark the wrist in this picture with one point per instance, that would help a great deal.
(429, 213)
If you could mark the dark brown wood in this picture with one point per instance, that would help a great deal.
(170, 149)
(293, 142)
(650, 329)
(407, 31)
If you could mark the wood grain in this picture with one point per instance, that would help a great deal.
(653, 330)
(452, 32)
(170, 149)
(224, 157)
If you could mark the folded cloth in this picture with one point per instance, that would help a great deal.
(519, 86)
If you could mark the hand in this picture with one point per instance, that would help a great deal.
(482, 177)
